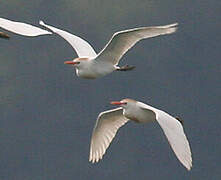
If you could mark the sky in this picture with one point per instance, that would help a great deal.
(48, 113)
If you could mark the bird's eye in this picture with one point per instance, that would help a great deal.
(125, 103)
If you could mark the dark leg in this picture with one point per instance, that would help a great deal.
(126, 68)
(4, 35)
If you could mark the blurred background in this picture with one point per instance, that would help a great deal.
(48, 113)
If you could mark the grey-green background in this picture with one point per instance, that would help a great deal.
(47, 113)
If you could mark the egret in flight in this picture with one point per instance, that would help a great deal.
(89, 64)
(108, 123)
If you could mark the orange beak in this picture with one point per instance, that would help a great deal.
(116, 103)
(70, 62)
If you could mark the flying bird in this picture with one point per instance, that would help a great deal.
(108, 123)
(89, 64)
(4, 35)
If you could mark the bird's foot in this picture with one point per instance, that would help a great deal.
(4, 35)
(126, 68)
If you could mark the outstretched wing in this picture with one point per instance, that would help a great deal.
(22, 28)
(174, 132)
(122, 41)
(105, 129)
(83, 48)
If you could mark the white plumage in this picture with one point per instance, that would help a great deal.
(22, 28)
(105, 129)
(82, 47)
(89, 64)
(109, 122)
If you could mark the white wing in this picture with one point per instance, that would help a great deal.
(174, 132)
(22, 28)
(122, 41)
(82, 47)
(105, 129)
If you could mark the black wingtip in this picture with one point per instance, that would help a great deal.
(180, 120)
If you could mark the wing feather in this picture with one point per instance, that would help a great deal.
(105, 129)
(82, 47)
(174, 132)
(122, 41)
(22, 28)
(176, 137)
